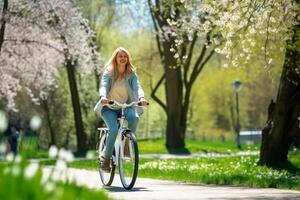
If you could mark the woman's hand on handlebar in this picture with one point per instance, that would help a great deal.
(143, 102)
(104, 100)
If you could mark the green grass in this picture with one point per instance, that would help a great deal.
(238, 170)
(29, 148)
(193, 146)
(16, 186)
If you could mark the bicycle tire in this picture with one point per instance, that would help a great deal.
(129, 181)
(106, 178)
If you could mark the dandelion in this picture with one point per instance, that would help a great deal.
(31, 170)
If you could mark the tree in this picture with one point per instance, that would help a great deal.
(42, 36)
(177, 47)
(283, 127)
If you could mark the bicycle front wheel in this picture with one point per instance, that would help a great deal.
(106, 178)
(129, 161)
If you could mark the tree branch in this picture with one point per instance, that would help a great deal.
(152, 12)
(199, 59)
(2, 29)
(189, 58)
(35, 42)
(153, 95)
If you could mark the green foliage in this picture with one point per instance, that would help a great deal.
(194, 146)
(29, 148)
(17, 187)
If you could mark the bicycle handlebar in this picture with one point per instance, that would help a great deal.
(125, 105)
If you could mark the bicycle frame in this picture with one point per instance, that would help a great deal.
(121, 131)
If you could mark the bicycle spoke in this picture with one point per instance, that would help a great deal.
(128, 163)
(106, 178)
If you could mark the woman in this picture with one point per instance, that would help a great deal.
(119, 82)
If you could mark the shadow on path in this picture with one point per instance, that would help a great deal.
(121, 189)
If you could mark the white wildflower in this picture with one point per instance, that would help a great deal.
(62, 153)
(90, 155)
(69, 157)
(10, 157)
(45, 178)
(53, 151)
(2, 148)
(16, 170)
(31, 170)
(18, 159)
(35, 122)
(55, 176)
(61, 165)
(3, 121)
(49, 186)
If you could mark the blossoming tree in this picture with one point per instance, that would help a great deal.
(190, 32)
(38, 37)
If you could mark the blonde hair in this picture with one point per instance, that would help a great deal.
(111, 65)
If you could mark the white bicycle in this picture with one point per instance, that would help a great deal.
(125, 154)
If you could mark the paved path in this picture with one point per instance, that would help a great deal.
(156, 189)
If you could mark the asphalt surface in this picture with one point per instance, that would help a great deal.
(157, 189)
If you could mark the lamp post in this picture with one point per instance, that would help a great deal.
(237, 85)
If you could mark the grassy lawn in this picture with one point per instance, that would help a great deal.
(15, 184)
(238, 170)
(29, 147)
(194, 146)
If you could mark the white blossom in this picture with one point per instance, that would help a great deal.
(3, 122)
(38, 42)
(35, 122)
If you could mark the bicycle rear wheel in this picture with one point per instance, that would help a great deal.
(106, 178)
(128, 164)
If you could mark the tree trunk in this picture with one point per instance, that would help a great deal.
(3, 22)
(80, 134)
(49, 122)
(283, 124)
(173, 86)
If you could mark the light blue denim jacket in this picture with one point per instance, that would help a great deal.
(132, 84)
